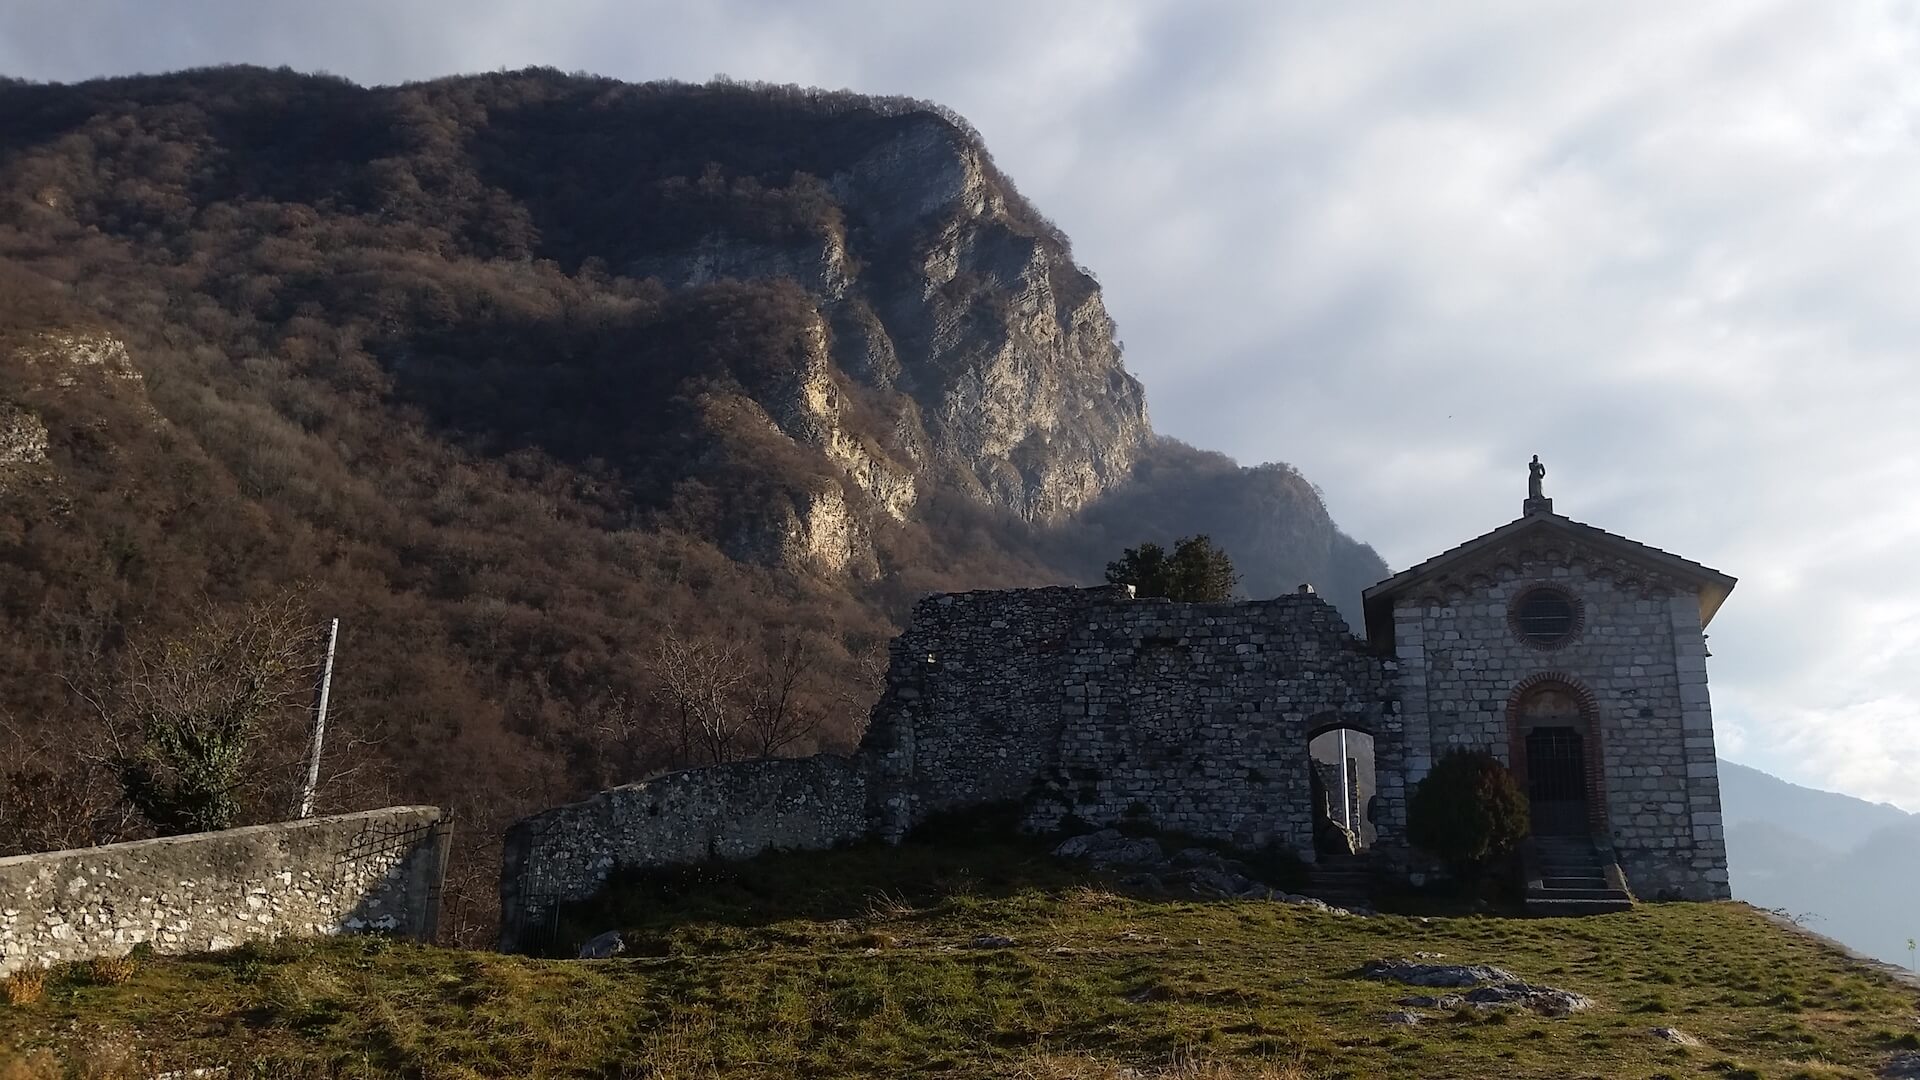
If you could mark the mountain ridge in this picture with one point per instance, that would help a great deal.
(1845, 866)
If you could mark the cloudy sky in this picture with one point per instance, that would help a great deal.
(1672, 248)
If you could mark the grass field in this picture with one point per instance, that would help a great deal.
(864, 963)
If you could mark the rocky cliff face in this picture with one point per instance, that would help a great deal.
(934, 335)
(23, 438)
(993, 350)
(51, 367)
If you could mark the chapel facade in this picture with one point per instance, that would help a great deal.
(1579, 659)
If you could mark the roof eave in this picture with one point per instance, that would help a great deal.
(1714, 586)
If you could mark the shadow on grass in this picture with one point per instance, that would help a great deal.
(976, 856)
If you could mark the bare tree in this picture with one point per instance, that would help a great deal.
(855, 697)
(700, 682)
(777, 714)
(186, 714)
(56, 793)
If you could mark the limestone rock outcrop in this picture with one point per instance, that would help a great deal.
(990, 354)
(23, 438)
(957, 346)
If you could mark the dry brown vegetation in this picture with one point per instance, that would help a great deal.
(392, 352)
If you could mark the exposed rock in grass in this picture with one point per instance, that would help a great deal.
(1196, 871)
(991, 941)
(1902, 1067)
(603, 946)
(1405, 1019)
(1424, 1001)
(1676, 1036)
(1544, 1000)
(1414, 973)
(1109, 848)
(1314, 902)
(1492, 987)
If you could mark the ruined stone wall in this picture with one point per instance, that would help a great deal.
(975, 702)
(1073, 703)
(378, 870)
(1087, 703)
(732, 811)
(1640, 662)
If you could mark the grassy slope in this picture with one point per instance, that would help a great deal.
(860, 963)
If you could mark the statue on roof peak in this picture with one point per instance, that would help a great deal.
(1536, 473)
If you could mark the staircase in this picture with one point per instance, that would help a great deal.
(1566, 875)
(1345, 881)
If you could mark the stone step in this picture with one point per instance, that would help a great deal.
(1565, 892)
(1574, 881)
(1555, 907)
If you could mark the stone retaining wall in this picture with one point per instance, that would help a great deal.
(377, 870)
(732, 811)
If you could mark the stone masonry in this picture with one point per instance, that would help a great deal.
(377, 870)
(1079, 705)
(732, 811)
(1090, 705)
(1088, 708)
(1635, 667)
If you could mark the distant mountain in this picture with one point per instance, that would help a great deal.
(1847, 867)
(1840, 821)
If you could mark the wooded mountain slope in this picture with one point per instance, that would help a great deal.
(522, 375)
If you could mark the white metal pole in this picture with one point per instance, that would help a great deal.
(1346, 797)
(319, 726)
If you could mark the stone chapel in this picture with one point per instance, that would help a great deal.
(1579, 658)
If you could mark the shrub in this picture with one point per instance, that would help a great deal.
(1468, 812)
(111, 970)
(1197, 571)
(24, 986)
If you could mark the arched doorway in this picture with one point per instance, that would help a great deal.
(1555, 754)
(1343, 784)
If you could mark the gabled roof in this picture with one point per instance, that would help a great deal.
(1713, 585)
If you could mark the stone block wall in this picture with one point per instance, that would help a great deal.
(1091, 704)
(378, 870)
(1197, 717)
(1081, 702)
(731, 811)
(975, 701)
(1640, 659)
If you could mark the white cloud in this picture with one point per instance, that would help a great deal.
(1673, 248)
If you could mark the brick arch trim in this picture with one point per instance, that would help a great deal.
(1589, 705)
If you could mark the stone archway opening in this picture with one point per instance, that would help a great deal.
(1341, 770)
